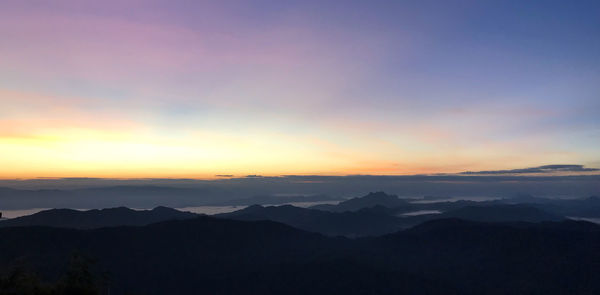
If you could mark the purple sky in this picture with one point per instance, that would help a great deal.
(198, 88)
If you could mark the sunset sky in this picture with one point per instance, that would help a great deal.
(200, 88)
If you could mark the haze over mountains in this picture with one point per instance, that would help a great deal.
(98, 193)
(371, 215)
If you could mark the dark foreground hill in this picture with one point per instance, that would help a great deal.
(209, 256)
(215, 256)
(120, 216)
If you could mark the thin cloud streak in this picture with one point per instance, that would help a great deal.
(546, 169)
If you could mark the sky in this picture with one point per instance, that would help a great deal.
(203, 88)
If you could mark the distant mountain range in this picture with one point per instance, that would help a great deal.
(501, 213)
(97, 218)
(588, 207)
(582, 207)
(365, 222)
(149, 196)
(371, 215)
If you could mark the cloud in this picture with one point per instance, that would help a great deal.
(539, 169)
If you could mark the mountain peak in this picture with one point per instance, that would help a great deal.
(163, 209)
(380, 195)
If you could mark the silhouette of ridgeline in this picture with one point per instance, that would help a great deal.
(97, 218)
(372, 215)
(220, 256)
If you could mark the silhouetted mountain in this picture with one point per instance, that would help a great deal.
(370, 200)
(524, 198)
(579, 207)
(495, 210)
(501, 213)
(97, 218)
(378, 220)
(365, 222)
(588, 207)
(483, 212)
(217, 256)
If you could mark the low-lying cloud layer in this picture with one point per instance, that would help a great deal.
(564, 181)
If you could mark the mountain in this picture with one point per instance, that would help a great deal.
(587, 207)
(370, 200)
(97, 218)
(500, 258)
(207, 255)
(371, 221)
(501, 213)
(579, 207)
(379, 220)
(365, 222)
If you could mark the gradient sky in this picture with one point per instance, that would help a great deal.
(198, 88)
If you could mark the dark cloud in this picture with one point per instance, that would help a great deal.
(539, 169)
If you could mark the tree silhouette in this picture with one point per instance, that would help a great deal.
(78, 279)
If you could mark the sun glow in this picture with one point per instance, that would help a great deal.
(78, 152)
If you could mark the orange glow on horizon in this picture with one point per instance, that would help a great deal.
(61, 151)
